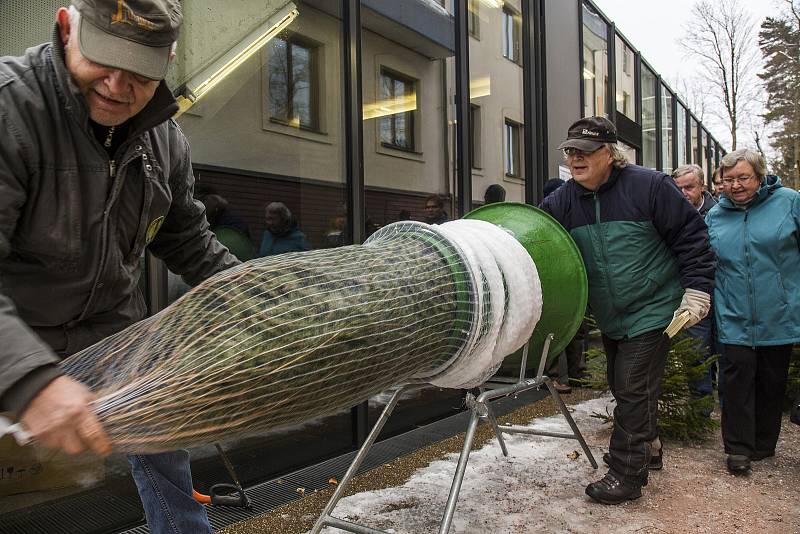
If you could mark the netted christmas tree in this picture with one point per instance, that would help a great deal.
(280, 340)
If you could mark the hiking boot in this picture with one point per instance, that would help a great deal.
(760, 455)
(738, 464)
(656, 462)
(612, 490)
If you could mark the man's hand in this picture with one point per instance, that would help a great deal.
(59, 417)
(694, 307)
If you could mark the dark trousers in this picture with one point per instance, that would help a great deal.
(755, 385)
(635, 369)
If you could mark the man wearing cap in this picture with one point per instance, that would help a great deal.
(648, 261)
(92, 171)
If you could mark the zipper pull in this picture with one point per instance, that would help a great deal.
(112, 168)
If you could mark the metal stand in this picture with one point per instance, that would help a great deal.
(481, 409)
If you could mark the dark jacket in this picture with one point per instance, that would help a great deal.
(757, 294)
(708, 203)
(642, 244)
(74, 223)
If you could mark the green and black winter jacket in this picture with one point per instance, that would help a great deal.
(642, 243)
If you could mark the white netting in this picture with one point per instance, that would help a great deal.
(283, 339)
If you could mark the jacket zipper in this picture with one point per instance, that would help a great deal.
(603, 249)
(750, 294)
(112, 168)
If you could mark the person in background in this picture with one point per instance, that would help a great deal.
(92, 173)
(494, 193)
(281, 234)
(230, 228)
(434, 210)
(691, 181)
(648, 262)
(404, 215)
(718, 184)
(755, 232)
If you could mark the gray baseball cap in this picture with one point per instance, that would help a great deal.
(132, 35)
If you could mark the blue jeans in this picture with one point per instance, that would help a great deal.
(164, 481)
(704, 331)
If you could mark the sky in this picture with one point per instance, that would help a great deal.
(655, 28)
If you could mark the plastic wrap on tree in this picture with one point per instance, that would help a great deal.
(283, 339)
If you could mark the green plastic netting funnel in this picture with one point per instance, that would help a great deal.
(561, 272)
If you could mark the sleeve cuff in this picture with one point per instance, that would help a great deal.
(17, 397)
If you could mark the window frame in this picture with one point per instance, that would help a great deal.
(512, 146)
(512, 43)
(411, 121)
(291, 40)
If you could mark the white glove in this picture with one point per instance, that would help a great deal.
(693, 308)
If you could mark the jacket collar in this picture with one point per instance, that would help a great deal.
(160, 108)
(611, 182)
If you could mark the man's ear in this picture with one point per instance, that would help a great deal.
(64, 29)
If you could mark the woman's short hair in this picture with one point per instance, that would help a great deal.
(753, 157)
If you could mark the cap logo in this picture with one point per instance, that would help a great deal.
(590, 132)
(126, 15)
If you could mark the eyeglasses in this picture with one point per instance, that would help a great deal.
(570, 151)
(738, 179)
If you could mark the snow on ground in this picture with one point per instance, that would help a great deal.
(500, 495)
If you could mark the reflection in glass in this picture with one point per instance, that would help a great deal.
(649, 133)
(694, 155)
(512, 30)
(704, 152)
(625, 79)
(397, 129)
(292, 88)
(680, 138)
(595, 63)
(666, 130)
(628, 150)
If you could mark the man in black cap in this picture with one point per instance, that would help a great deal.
(649, 267)
(92, 172)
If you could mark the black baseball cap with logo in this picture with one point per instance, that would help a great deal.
(132, 35)
(589, 134)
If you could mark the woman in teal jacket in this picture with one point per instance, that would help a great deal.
(755, 232)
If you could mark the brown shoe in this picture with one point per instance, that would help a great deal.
(561, 388)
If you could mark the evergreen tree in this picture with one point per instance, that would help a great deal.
(779, 40)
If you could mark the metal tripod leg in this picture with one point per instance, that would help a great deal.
(452, 499)
(326, 519)
(493, 421)
(568, 416)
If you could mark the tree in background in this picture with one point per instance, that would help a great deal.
(721, 35)
(779, 40)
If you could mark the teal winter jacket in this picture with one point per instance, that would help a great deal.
(757, 290)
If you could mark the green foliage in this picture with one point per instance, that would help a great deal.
(779, 40)
(681, 416)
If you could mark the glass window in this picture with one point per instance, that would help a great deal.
(628, 150)
(649, 133)
(473, 18)
(292, 83)
(595, 63)
(705, 150)
(408, 91)
(680, 137)
(694, 156)
(625, 80)
(666, 130)
(513, 160)
(512, 30)
(397, 91)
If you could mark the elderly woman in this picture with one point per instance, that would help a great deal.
(755, 231)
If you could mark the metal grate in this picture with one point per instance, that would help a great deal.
(26, 23)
